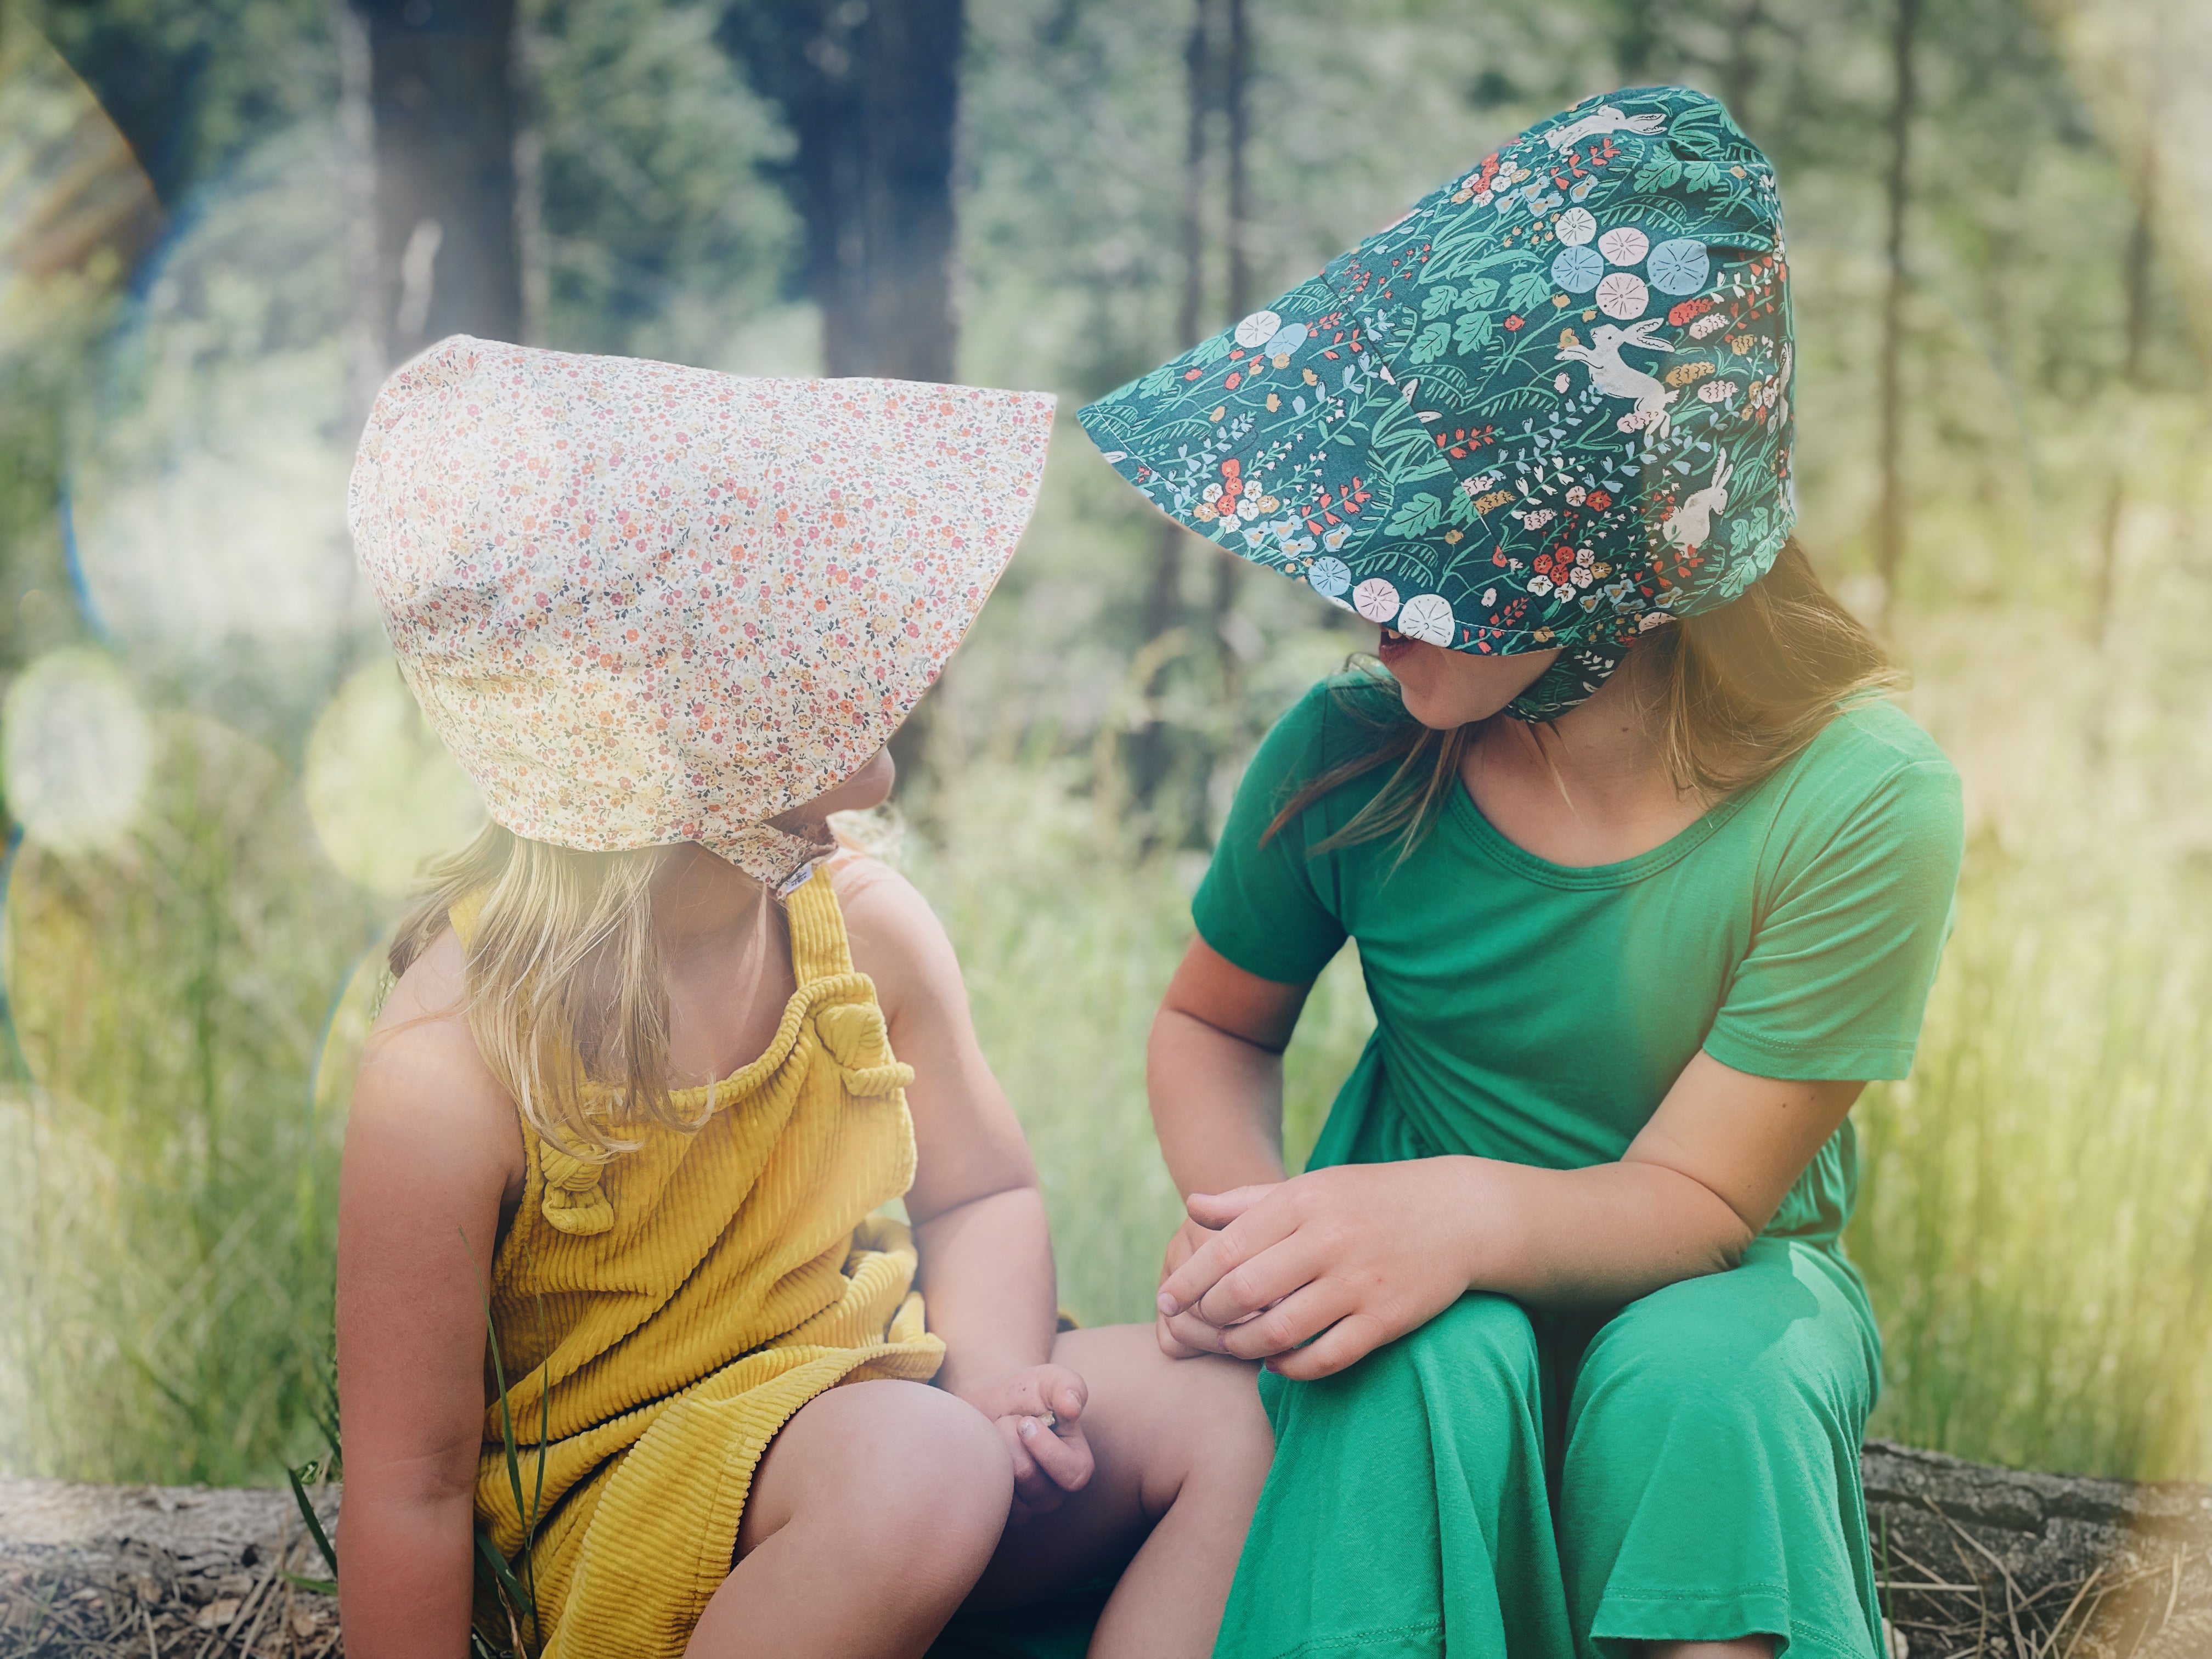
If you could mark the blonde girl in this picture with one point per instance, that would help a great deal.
(660, 1058)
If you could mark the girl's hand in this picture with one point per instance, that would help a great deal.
(1181, 1246)
(1038, 1412)
(1314, 1272)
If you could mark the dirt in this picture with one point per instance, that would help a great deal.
(173, 1572)
(1973, 1562)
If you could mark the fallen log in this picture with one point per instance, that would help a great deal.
(1972, 1563)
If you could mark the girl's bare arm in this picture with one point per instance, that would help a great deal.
(432, 1152)
(1339, 1260)
(979, 1218)
(1214, 1071)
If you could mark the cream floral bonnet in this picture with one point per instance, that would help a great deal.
(645, 603)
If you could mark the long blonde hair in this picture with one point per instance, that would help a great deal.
(1732, 695)
(565, 994)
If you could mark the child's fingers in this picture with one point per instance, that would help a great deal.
(1297, 1318)
(1252, 1287)
(1351, 1340)
(1064, 1457)
(1216, 1210)
(1186, 1239)
(1026, 1469)
(1193, 1334)
(1051, 1391)
(1036, 1491)
(1171, 1345)
(1067, 1394)
(1265, 1224)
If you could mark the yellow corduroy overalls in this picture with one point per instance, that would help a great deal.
(671, 1308)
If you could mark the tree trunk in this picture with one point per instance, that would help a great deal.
(1635, 39)
(1164, 596)
(1236, 80)
(905, 329)
(2137, 275)
(1890, 532)
(441, 101)
(1741, 68)
(872, 92)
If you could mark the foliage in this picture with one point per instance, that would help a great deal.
(187, 1002)
(2037, 1221)
(193, 87)
(661, 238)
(168, 1179)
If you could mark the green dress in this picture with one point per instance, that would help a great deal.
(1507, 1480)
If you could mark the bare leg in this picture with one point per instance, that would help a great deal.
(1183, 1448)
(1744, 1647)
(871, 1517)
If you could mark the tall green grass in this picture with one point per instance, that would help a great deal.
(2036, 1221)
(166, 1177)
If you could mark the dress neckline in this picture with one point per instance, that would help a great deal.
(1622, 872)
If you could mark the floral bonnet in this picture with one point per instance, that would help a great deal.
(1548, 409)
(645, 603)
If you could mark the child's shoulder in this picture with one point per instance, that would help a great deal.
(422, 1072)
(895, 938)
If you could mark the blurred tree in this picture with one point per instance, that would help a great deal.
(1890, 546)
(1217, 171)
(871, 90)
(191, 86)
(652, 227)
(442, 114)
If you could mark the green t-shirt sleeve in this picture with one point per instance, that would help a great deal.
(1837, 975)
(1265, 908)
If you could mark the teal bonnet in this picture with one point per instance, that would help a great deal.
(1547, 408)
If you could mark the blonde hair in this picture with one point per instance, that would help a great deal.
(1733, 694)
(565, 994)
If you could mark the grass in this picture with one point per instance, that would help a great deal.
(2037, 1218)
(166, 1237)
(2036, 1221)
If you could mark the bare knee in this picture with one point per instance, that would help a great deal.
(942, 1458)
(1185, 1422)
(1220, 1397)
(897, 1468)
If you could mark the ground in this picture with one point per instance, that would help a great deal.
(1975, 1561)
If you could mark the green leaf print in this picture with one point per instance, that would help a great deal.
(1660, 171)
(1482, 291)
(1703, 175)
(1403, 447)
(1438, 300)
(1160, 381)
(1416, 517)
(1430, 344)
(1474, 332)
(1748, 531)
(1530, 289)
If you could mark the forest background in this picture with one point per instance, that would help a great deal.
(221, 221)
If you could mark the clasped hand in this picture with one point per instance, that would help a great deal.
(1038, 1412)
(1312, 1273)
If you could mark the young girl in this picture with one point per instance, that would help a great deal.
(659, 1054)
(1565, 1357)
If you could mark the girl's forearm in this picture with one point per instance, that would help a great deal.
(1591, 1237)
(407, 1571)
(987, 1272)
(1217, 1105)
